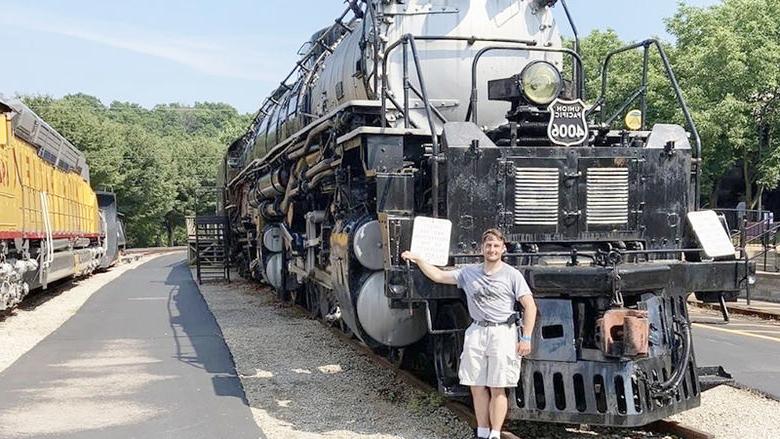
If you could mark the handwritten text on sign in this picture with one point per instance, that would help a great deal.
(431, 239)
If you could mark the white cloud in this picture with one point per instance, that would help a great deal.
(226, 58)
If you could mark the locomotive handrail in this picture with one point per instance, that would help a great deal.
(472, 110)
(577, 72)
(384, 95)
(408, 42)
(268, 103)
(602, 99)
(297, 136)
(622, 252)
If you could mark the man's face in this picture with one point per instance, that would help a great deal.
(492, 249)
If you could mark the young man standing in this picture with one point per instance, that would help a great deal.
(492, 345)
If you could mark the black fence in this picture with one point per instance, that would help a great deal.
(754, 229)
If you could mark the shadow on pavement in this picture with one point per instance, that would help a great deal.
(192, 322)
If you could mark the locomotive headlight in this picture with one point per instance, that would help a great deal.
(634, 120)
(541, 82)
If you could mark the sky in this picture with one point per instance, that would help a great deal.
(234, 51)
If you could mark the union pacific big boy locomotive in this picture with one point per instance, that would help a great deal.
(474, 111)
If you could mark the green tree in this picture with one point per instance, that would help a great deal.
(160, 162)
(728, 56)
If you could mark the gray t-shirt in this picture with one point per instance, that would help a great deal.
(491, 297)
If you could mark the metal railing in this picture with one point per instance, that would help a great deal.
(408, 43)
(753, 228)
(641, 94)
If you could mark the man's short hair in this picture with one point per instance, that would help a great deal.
(494, 233)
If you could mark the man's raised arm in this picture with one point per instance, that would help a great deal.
(434, 273)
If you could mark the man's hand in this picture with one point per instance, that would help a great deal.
(409, 256)
(523, 348)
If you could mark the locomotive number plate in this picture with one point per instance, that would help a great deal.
(567, 125)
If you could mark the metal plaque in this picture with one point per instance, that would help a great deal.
(567, 125)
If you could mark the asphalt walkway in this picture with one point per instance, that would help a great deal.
(749, 349)
(143, 358)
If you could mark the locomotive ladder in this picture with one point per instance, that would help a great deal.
(211, 244)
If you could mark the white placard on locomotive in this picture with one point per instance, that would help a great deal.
(710, 233)
(431, 239)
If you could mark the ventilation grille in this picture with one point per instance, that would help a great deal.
(607, 196)
(536, 196)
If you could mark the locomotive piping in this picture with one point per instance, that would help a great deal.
(663, 390)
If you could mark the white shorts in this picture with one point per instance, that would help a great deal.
(489, 356)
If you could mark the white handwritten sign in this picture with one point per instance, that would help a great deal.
(710, 233)
(431, 239)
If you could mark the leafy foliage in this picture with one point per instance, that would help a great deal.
(160, 162)
(727, 61)
(729, 64)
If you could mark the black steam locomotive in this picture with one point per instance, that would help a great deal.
(473, 111)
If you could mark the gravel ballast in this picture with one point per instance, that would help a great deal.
(302, 381)
(727, 412)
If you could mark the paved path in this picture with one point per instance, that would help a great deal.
(749, 349)
(143, 358)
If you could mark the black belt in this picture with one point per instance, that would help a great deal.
(485, 323)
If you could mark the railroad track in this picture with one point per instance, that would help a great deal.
(465, 412)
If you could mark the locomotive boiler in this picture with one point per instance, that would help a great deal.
(51, 224)
(474, 111)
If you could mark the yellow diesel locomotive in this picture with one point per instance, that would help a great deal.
(50, 222)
